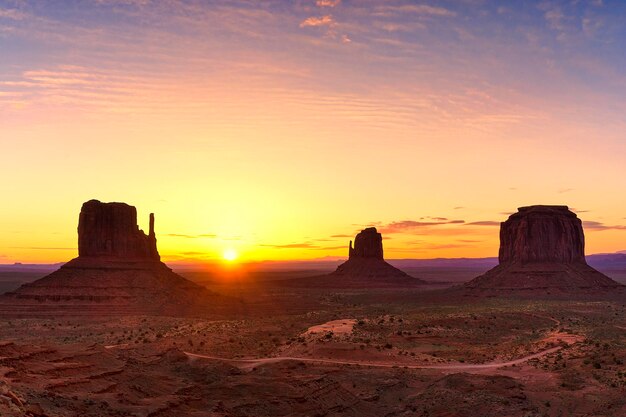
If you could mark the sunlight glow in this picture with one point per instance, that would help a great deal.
(230, 255)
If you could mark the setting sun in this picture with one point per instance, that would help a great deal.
(230, 255)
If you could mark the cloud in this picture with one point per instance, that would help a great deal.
(305, 245)
(332, 247)
(409, 225)
(419, 9)
(564, 190)
(327, 3)
(192, 253)
(555, 18)
(483, 223)
(317, 21)
(593, 225)
(125, 2)
(427, 247)
(458, 208)
(203, 236)
(12, 14)
(42, 248)
(341, 236)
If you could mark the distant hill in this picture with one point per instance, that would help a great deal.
(19, 267)
(607, 260)
(600, 261)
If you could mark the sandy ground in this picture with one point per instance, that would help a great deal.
(351, 353)
(338, 327)
(345, 326)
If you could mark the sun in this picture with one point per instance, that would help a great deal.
(230, 255)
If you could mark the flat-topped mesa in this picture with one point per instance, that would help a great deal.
(109, 230)
(542, 249)
(542, 234)
(367, 244)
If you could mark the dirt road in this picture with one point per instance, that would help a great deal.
(251, 363)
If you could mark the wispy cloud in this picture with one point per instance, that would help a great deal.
(483, 223)
(328, 3)
(42, 248)
(405, 226)
(417, 9)
(13, 14)
(201, 236)
(317, 21)
(332, 247)
(593, 225)
(305, 245)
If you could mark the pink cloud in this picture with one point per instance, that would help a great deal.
(327, 3)
(317, 21)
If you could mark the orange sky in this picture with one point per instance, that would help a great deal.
(280, 129)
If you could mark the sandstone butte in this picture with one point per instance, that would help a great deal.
(542, 249)
(366, 263)
(117, 265)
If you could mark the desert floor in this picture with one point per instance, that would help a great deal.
(286, 351)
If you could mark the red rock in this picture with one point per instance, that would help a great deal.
(118, 265)
(366, 266)
(367, 244)
(542, 234)
(110, 230)
(542, 248)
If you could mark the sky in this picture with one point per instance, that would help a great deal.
(279, 129)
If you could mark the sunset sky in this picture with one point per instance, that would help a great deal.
(278, 129)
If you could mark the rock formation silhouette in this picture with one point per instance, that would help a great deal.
(366, 263)
(542, 248)
(367, 244)
(117, 264)
(109, 230)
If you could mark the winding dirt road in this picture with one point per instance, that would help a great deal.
(251, 363)
(554, 336)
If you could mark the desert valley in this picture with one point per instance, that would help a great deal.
(312, 208)
(115, 332)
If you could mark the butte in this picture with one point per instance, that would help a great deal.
(118, 270)
(365, 268)
(542, 251)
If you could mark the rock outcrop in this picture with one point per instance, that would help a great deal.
(542, 234)
(118, 265)
(367, 244)
(366, 266)
(109, 230)
(542, 248)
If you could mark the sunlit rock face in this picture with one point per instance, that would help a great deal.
(110, 230)
(542, 234)
(542, 248)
